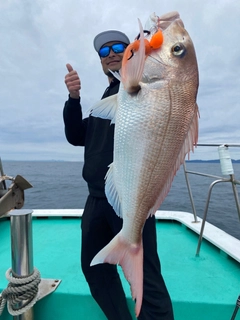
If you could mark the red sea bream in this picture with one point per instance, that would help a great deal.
(156, 126)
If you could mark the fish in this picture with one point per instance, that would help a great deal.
(156, 117)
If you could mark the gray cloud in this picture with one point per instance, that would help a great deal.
(39, 37)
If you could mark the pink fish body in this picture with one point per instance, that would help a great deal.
(156, 125)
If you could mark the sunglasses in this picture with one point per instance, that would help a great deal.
(116, 48)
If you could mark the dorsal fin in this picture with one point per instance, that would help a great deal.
(133, 64)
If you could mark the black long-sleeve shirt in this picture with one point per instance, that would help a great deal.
(96, 135)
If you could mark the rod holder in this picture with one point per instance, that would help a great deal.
(225, 160)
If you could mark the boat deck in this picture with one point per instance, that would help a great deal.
(201, 288)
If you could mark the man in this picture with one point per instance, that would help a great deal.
(99, 222)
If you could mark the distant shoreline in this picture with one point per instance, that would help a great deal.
(211, 161)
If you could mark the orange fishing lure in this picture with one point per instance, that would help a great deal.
(155, 43)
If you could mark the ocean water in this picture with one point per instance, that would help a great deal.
(59, 185)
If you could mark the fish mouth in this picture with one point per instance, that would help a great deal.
(150, 81)
(156, 78)
(155, 60)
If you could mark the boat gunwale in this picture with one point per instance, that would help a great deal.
(219, 238)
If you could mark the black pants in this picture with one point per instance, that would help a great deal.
(99, 225)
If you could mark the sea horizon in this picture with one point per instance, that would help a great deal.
(53, 160)
(59, 185)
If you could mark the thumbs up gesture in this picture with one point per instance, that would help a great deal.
(73, 82)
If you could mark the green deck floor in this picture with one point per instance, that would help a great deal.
(203, 288)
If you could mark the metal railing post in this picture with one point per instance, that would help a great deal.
(22, 251)
(234, 182)
(190, 192)
(236, 309)
(205, 214)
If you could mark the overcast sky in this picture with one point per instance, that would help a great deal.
(38, 38)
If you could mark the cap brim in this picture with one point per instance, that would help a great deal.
(108, 36)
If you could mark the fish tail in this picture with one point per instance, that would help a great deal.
(130, 257)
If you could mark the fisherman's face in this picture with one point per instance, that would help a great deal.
(113, 61)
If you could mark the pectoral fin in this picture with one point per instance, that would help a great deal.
(111, 191)
(106, 108)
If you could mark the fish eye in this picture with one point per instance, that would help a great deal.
(178, 49)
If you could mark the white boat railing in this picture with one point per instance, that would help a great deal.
(227, 169)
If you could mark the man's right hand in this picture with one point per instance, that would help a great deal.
(73, 82)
